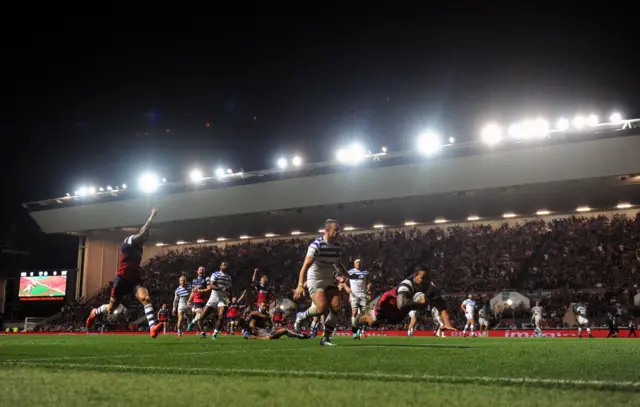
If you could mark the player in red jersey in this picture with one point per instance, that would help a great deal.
(262, 290)
(233, 313)
(394, 306)
(261, 326)
(129, 279)
(163, 317)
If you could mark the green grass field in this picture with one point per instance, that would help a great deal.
(108, 370)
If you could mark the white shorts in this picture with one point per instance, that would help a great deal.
(413, 313)
(320, 285)
(582, 320)
(537, 319)
(483, 322)
(217, 299)
(182, 307)
(357, 302)
(469, 316)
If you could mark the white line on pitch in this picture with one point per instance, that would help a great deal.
(621, 385)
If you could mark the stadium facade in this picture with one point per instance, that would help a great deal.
(556, 175)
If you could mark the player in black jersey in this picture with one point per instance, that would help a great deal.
(613, 326)
(261, 326)
(163, 317)
(632, 329)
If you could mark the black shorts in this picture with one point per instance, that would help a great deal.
(232, 319)
(123, 286)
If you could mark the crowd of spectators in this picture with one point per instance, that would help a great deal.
(589, 259)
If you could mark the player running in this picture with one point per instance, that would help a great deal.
(437, 319)
(181, 302)
(261, 326)
(632, 329)
(393, 306)
(536, 318)
(581, 314)
(220, 284)
(358, 286)
(322, 259)
(199, 297)
(233, 313)
(129, 279)
(469, 307)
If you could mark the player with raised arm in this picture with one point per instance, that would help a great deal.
(261, 326)
(220, 284)
(129, 279)
(181, 302)
(413, 293)
(322, 260)
(581, 315)
(233, 313)
(536, 318)
(469, 307)
(199, 297)
(261, 288)
(358, 279)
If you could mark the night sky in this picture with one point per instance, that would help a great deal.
(88, 108)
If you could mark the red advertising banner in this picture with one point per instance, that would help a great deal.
(519, 333)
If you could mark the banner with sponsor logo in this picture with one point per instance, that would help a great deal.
(518, 333)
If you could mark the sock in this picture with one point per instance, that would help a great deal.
(101, 309)
(330, 324)
(310, 312)
(148, 310)
(579, 331)
(589, 331)
(465, 329)
(354, 323)
(215, 332)
(472, 328)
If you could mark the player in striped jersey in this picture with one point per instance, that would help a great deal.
(358, 280)
(322, 260)
(469, 307)
(200, 290)
(181, 301)
(581, 315)
(536, 318)
(220, 283)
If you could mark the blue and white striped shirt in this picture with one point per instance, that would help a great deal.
(358, 282)
(181, 296)
(221, 280)
(325, 255)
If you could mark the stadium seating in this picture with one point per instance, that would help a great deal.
(592, 259)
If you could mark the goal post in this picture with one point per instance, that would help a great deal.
(31, 323)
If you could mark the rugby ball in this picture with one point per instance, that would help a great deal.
(419, 298)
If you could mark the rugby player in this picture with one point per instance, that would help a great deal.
(322, 259)
(163, 317)
(536, 318)
(580, 312)
(632, 329)
(129, 279)
(437, 319)
(261, 326)
(469, 307)
(181, 302)
(199, 297)
(359, 289)
(483, 322)
(220, 285)
(262, 290)
(393, 306)
(233, 313)
(413, 320)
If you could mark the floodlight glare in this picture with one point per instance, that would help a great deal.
(429, 143)
(491, 134)
(148, 182)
